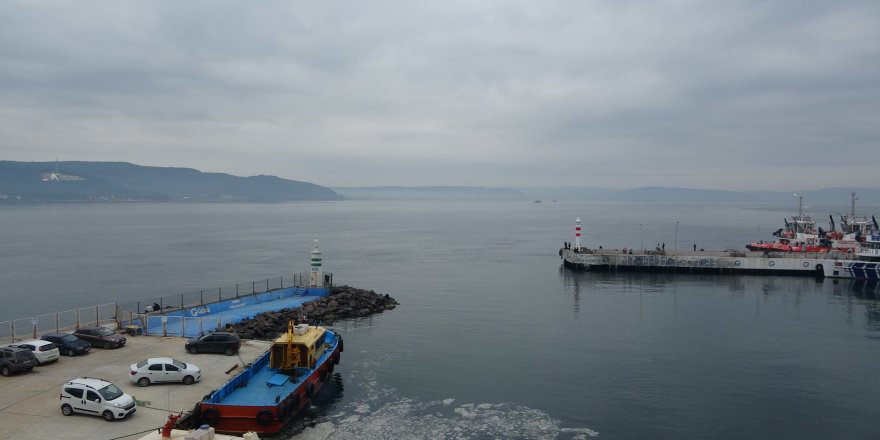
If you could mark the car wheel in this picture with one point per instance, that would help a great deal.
(70, 352)
(106, 346)
(66, 409)
(194, 350)
(188, 380)
(108, 416)
(229, 352)
(143, 381)
(4, 370)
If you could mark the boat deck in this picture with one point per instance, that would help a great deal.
(262, 385)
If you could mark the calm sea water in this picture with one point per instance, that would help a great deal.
(493, 338)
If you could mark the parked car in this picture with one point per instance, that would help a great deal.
(99, 336)
(164, 369)
(215, 342)
(44, 351)
(96, 397)
(67, 343)
(14, 360)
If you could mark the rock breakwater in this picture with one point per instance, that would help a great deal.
(344, 302)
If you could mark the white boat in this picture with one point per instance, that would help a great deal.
(866, 266)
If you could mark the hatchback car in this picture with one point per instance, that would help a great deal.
(99, 336)
(164, 369)
(67, 343)
(215, 342)
(14, 360)
(96, 397)
(44, 351)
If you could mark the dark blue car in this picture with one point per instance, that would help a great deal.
(67, 343)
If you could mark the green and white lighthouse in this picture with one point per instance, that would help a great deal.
(316, 274)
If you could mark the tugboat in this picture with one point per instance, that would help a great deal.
(277, 386)
(802, 234)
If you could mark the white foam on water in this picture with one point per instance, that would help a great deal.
(382, 414)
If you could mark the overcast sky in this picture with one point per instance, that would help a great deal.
(780, 95)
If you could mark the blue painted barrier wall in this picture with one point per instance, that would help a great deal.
(194, 321)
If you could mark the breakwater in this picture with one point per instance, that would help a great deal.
(344, 302)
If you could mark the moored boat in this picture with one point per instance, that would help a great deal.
(866, 266)
(803, 235)
(268, 393)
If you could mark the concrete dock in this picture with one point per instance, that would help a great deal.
(713, 262)
(29, 402)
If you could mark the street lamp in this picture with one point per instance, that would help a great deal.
(642, 232)
(675, 245)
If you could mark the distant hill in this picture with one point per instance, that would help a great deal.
(656, 194)
(121, 181)
(428, 193)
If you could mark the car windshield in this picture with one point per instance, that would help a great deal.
(104, 331)
(110, 392)
(68, 338)
(178, 364)
(141, 364)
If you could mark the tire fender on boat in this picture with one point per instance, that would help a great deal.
(310, 389)
(341, 345)
(293, 406)
(331, 366)
(210, 416)
(264, 417)
(283, 410)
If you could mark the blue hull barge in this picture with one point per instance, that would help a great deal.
(277, 386)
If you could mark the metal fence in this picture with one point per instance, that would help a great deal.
(208, 296)
(131, 312)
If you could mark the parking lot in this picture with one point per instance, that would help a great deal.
(30, 408)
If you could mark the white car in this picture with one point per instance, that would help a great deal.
(44, 351)
(164, 369)
(96, 397)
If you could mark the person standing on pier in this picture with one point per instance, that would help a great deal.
(695, 247)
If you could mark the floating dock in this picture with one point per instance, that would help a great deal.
(736, 262)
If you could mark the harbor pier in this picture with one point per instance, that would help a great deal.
(711, 262)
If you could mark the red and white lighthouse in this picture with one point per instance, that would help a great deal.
(577, 234)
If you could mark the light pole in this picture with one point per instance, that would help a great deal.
(675, 244)
(642, 233)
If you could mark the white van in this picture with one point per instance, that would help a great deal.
(97, 397)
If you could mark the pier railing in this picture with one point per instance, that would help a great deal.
(114, 313)
(36, 326)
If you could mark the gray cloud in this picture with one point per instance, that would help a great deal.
(733, 95)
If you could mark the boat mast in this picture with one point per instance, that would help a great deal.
(852, 211)
(800, 217)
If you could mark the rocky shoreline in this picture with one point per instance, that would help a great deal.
(344, 302)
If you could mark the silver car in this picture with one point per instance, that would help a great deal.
(164, 369)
